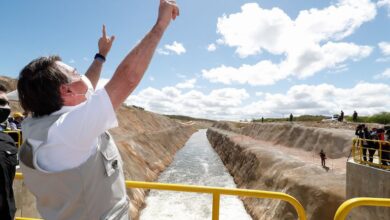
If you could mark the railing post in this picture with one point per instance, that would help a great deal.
(380, 154)
(361, 151)
(215, 211)
(345, 208)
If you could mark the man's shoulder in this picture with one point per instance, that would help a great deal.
(6, 141)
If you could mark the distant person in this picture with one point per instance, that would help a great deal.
(341, 117)
(262, 119)
(291, 117)
(386, 149)
(355, 116)
(385, 146)
(16, 122)
(359, 130)
(69, 160)
(8, 162)
(323, 158)
(363, 133)
(375, 134)
(366, 142)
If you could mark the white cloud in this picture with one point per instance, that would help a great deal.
(309, 44)
(151, 78)
(71, 61)
(384, 75)
(384, 3)
(385, 47)
(229, 103)
(169, 100)
(383, 59)
(323, 99)
(220, 41)
(262, 73)
(211, 47)
(162, 52)
(188, 84)
(86, 59)
(175, 47)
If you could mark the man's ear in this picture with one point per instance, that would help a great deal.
(65, 90)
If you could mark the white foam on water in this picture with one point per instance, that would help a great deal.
(195, 164)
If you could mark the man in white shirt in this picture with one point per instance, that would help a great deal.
(69, 161)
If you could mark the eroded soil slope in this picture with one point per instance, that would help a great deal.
(335, 142)
(258, 164)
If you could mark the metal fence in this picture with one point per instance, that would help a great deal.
(375, 153)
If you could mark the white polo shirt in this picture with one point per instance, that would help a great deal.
(72, 139)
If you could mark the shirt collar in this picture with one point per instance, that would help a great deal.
(63, 110)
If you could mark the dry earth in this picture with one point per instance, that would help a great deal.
(284, 157)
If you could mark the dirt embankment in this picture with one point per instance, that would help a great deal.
(335, 142)
(261, 165)
(147, 143)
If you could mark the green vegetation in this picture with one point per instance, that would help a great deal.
(380, 118)
(310, 118)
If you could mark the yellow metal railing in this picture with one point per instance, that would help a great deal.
(380, 156)
(215, 191)
(348, 205)
(18, 134)
(23, 218)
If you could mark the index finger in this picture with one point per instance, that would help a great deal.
(104, 31)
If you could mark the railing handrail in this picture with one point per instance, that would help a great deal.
(216, 192)
(18, 132)
(357, 152)
(371, 140)
(225, 191)
(345, 208)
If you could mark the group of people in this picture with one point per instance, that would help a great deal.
(13, 123)
(382, 137)
(8, 162)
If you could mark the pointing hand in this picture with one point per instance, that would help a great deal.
(105, 42)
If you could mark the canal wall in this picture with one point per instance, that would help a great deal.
(335, 142)
(366, 181)
(255, 167)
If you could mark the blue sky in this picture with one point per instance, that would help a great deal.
(232, 59)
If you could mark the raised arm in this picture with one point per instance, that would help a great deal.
(94, 70)
(131, 70)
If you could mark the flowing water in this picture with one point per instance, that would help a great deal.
(195, 164)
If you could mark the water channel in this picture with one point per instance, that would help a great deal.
(195, 164)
